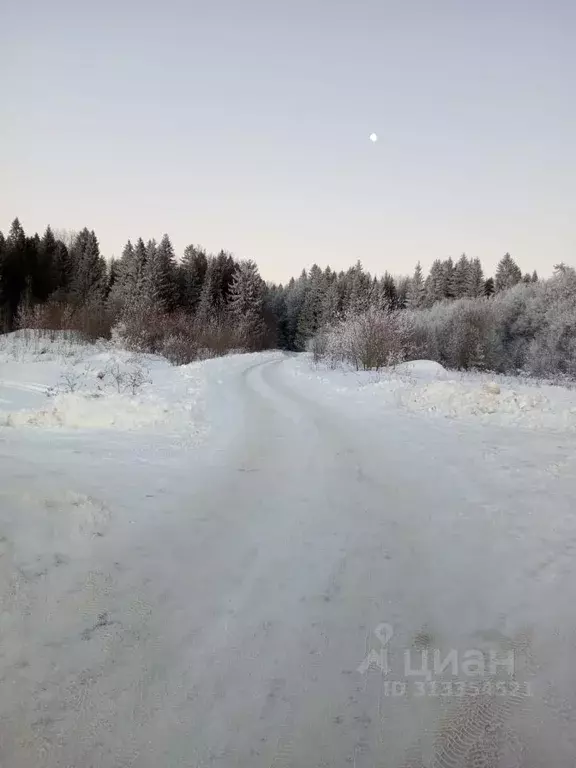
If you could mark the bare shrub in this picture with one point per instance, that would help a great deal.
(90, 321)
(177, 336)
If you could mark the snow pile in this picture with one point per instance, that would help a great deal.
(58, 382)
(422, 369)
(458, 399)
(424, 386)
(80, 410)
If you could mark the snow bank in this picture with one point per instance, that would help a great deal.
(97, 412)
(422, 369)
(425, 387)
(57, 381)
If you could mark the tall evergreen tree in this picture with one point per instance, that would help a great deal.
(45, 282)
(331, 303)
(508, 273)
(461, 277)
(295, 295)
(88, 283)
(415, 296)
(159, 275)
(435, 286)
(388, 292)
(310, 316)
(192, 273)
(13, 279)
(246, 304)
(475, 287)
(358, 289)
(402, 286)
(209, 304)
(449, 287)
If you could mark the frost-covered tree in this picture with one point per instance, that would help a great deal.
(435, 284)
(331, 309)
(88, 283)
(508, 273)
(159, 275)
(295, 294)
(415, 297)
(128, 288)
(449, 286)
(192, 272)
(461, 277)
(475, 284)
(310, 316)
(388, 292)
(358, 289)
(246, 304)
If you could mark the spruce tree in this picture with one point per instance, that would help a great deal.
(475, 287)
(159, 275)
(246, 304)
(461, 277)
(310, 316)
(389, 294)
(415, 295)
(14, 274)
(435, 283)
(449, 282)
(508, 273)
(88, 283)
(192, 273)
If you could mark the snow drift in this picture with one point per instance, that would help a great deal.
(425, 387)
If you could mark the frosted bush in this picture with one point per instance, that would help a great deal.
(530, 329)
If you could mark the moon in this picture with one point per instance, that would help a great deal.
(373, 138)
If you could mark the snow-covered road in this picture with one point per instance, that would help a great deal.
(222, 605)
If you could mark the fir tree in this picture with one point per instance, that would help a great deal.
(476, 285)
(310, 315)
(508, 273)
(489, 288)
(88, 283)
(415, 296)
(388, 293)
(192, 273)
(461, 277)
(246, 304)
(14, 275)
(435, 289)
(449, 282)
(159, 275)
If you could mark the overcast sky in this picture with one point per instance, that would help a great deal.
(244, 124)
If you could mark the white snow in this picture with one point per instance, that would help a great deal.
(425, 387)
(193, 573)
(422, 369)
(64, 383)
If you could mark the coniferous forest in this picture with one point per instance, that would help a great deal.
(199, 304)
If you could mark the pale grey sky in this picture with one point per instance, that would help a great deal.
(245, 124)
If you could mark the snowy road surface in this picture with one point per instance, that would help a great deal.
(211, 604)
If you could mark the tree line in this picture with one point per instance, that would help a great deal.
(203, 302)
